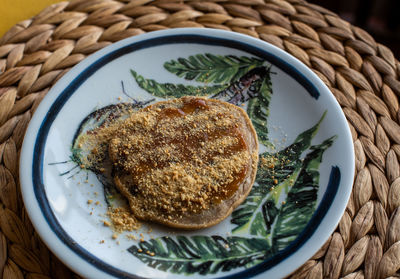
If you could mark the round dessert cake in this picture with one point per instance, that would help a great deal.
(185, 163)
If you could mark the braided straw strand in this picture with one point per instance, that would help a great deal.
(362, 74)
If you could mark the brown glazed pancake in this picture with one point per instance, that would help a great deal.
(186, 163)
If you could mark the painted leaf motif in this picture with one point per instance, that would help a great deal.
(300, 203)
(273, 198)
(261, 207)
(246, 88)
(286, 160)
(201, 254)
(286, 164)
(211, 68)
(168, 90)
(258, 110)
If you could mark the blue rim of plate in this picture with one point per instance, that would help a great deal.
(40, 142)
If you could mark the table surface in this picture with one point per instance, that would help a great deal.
(362, 74)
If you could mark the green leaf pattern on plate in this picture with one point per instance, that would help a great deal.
(258, 110)
(209, 68)
(261, 199)
(171, 90)
(201, 254)
(301, 199)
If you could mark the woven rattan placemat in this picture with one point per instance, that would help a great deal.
(362, 74)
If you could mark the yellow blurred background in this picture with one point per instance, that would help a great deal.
(13, 11)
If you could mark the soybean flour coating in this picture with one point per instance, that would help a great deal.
(185, 163)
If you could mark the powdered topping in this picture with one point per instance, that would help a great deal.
(122, 219)
(179, 157)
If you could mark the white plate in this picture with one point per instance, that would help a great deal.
(271, 234)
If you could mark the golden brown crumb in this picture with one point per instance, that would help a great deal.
(122, 219)
(106, 223)
(131, 236)
(89, 201)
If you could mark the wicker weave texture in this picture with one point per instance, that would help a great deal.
(362, 74)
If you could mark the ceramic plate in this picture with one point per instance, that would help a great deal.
(294, 205)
